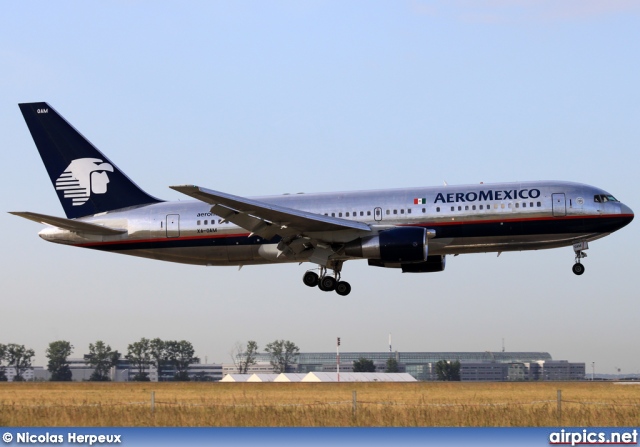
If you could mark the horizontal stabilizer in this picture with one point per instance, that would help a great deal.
(68, 224)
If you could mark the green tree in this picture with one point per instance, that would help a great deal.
(58, 366)
(392, 366)
(19, 358)
(181, 355)
(102, 359)
(159, 356)
(448, 371)
(244, 357)
(363, 365)
(139, 356)
(283, 353)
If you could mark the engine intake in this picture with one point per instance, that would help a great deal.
(403, 245)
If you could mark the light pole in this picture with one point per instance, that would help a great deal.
(593, 371)
(338, 358)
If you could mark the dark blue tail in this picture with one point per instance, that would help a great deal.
(86, 181)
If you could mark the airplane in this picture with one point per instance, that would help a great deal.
(410, 229)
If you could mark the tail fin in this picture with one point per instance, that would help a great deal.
(86, 181)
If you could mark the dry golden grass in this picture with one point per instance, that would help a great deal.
(318, 405)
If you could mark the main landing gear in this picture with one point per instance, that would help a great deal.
(579, 248)
(327, 283)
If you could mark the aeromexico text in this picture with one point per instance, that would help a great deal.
(510, 194)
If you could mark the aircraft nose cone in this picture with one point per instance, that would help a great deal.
(626, 211)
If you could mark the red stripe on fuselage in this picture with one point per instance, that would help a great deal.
(160, 239)
(417, 224)
(523, 219)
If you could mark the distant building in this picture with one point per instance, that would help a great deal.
(124, 372)
(474, 366)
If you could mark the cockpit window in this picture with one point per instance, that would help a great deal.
(601, 198)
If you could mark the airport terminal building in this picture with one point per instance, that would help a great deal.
(474, 366)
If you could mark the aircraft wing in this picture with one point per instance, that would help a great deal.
(266, 219)
(69, 224)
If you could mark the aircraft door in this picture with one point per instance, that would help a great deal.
(377, 214)
(173, 225)
(559, 204)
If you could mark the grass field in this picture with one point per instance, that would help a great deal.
(419, 404)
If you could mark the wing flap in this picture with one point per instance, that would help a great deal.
(68, 224)
(257, 226)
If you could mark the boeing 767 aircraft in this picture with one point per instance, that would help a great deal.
(411, 229)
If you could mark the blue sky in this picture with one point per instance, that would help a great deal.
(256, 98)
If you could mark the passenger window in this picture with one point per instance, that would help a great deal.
(438, 209)
(424, 210)
(517, 205)
(452, 209)
(530, 204)
(473, 207)
(333, 214)
(362, 213)
(388, 212)
(509, 205)
(539, 204)
(409, 211)
(495, 206)
(466, 207)
(198, 222)
(395, 211)
(524, 204)
(502, 205)
(401, 211)
(339, 214)
(206, 222)
(459, 208)
(368, 213)
(480, 206)
(347, 214)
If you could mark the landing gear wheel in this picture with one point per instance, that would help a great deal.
(310, 279)
(343, 288)
(327, 284)
(578, 268)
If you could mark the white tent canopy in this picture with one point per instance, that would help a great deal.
(358, 377)
(290, 377)
(262, 377)
(236, 378)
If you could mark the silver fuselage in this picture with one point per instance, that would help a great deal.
(463, 219)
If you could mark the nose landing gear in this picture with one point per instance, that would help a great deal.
(327, 283)
(579, 248)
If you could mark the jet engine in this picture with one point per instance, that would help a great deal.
(402, 245)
